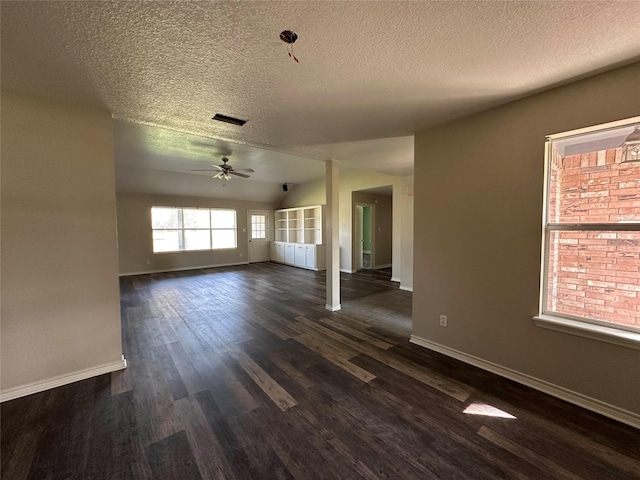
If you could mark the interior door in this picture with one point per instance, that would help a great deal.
(258, 236)
(357, 237)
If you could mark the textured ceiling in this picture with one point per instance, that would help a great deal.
(370, 73)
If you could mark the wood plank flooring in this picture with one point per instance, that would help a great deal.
(240, 373)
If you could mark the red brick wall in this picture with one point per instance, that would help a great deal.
(595, 274)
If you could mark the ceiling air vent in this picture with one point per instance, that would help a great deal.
(223, 118)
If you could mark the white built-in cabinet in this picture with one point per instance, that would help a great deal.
(299, 238)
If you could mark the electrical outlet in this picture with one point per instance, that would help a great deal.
(443, 320)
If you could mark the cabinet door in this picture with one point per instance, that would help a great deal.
(280, 252)
(289, 254)
(300, 256)
(310, 251)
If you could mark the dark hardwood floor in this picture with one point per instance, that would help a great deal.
(240, 373)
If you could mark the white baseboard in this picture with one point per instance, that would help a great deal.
(61, 380)
(395, 279)
(405, 288)
(182, 269)
(344, 270)
(386, 265)
(333, 308)
(598, 406)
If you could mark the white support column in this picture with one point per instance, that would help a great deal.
(406, 260)
(397, 232)
(333, 235)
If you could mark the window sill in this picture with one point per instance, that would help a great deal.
(594, 332)
(200, 250)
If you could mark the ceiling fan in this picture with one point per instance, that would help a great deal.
(225, 171)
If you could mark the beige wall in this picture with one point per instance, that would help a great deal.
(135, 245)
(313, 193)
(382, 224)
(478, 188)
(305, 194)
(60, 297)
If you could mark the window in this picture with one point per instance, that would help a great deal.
(258, 226)
(591, 251)
(178, 229)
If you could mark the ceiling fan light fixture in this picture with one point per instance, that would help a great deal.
(222, 176)
(226, 119)
(225, 171)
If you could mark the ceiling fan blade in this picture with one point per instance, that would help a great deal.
(249, 170)
(239, 174)
(216, 168)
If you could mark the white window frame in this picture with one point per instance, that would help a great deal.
(261, 213)
(623, 335)
(212, 229)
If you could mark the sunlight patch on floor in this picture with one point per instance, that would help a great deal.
(486, 410)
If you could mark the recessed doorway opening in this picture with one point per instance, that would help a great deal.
(372, 228)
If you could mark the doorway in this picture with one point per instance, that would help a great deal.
(258, 221)
(372, 229)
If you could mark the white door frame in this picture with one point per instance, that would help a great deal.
(358, 237)
(249, 231)
(354, 247)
